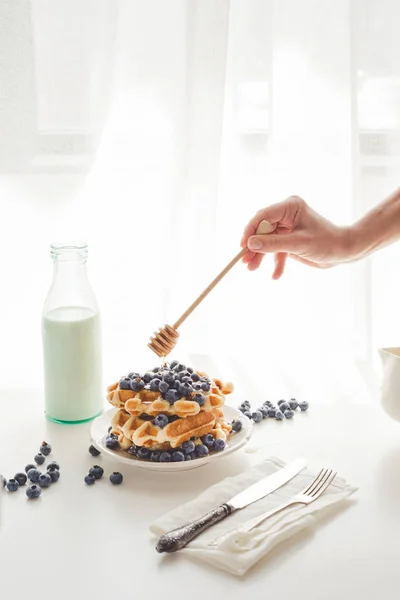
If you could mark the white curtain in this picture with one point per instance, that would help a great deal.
(154, 130)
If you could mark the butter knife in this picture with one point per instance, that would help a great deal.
(178, 538)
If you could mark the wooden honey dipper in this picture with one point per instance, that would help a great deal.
(164, 340)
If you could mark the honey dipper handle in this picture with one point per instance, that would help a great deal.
(263, 228)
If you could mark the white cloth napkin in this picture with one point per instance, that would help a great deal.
(238, 553)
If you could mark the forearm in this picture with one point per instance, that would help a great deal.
(377, 229)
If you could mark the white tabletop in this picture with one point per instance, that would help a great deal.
(93, 542)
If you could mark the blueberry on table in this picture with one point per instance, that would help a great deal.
(45, 448)
(143, 453)
(53, 465)
(12, 485)
(219, 445)
(188, 447)
(264, 411)
(293, 403)
(97, 472)
(268, 403)
(165, 457)
(288, 414)
(271, 411)
(39, 458)
(112, 442)
(257, 416)
(33, 475)
(247, 414)
(178, 456)
(279, 416)
(90, 479)
(303, 406)
(280, 402)
(21, 478)
(93, 451)
(237, 426)
(116, 478)
(55, 475)
(161, 421)
(44, 480)
(201, 451)
(33, 491)
(283, 406)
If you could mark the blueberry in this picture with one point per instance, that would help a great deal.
(176, 385)
(237, 426)
(137, 384)
(243, 409)
(172, 395)
(111, 442)
(257, 416)
(206, 386)
(116, 478)
(154, 383)
(109, 429)
(163, 387)
(90, 479)
(169, 378)
(44, 480)
(293, 403)
(132, 450)
(3, 481)
(156, 369)
(288, 413)
(188, 447)
(165, 457)
(303, 406)
(219, 445)
(12, 485)
(55, 475)
(208, 440)
(180, 367)
(184, 374)
(280, 402)
(193, 455)
(33, 475)
(93, 451)
(186, 390)
(21, 478)
(53, 465)
(201, 451)
(143, 453)
(161, 421)
(186, 379)
(113, 435)
(173, 364)
(247, 414)
(147, 377)
(39, 458)
(190, 370)
(264, 411)
(267, 403)
(246, 403)
(283, 406)
(195, 377)
(272, 411)
(33, 491)
(97, 472)
(155, 456)
(188, 457)
(199, 398)
(279, 415)
(197, 387)
(178, 456)
(125, 383)
(45, 448)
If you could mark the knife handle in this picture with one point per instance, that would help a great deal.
(178, 538)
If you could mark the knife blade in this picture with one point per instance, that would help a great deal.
(178, 538)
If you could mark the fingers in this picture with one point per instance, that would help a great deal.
(284, 213)
(280, 263)
(276, 242)
(255, 262)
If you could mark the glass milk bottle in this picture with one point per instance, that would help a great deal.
(71, 340)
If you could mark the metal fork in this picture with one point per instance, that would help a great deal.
(313, 491)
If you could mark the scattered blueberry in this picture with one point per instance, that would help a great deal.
(12, 485)
(303, 406)
(90, 479)
(93, 451)
(243, 409)
(257, 416)
(163, 387)
(293, 403)
(247, 414)
(199, 398)
(267, 403)
(280, 402)
(201, 451)
(195, 377)
(208, 440)
(279, 415)
(116, 478)
(33, 491)
(188, 447)
(219, 445)
(44, 480)
(132, 450)
(206, 386)
(272, 411)
(178, 456)
(284, 406)
(264, 411)
(165, 457)
(172, 395)
(55, 475)
(97, 472)
(155, 456)
(111, 442)
(21, 478)
(237, 425)
(33, 475)
(161, 421)
(39, 458)
(53, 465)
(246, 403)
(143, 453)
(125, 383)
(137, 384)
(45, 448)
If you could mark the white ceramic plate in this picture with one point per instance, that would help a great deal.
(235, 441)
